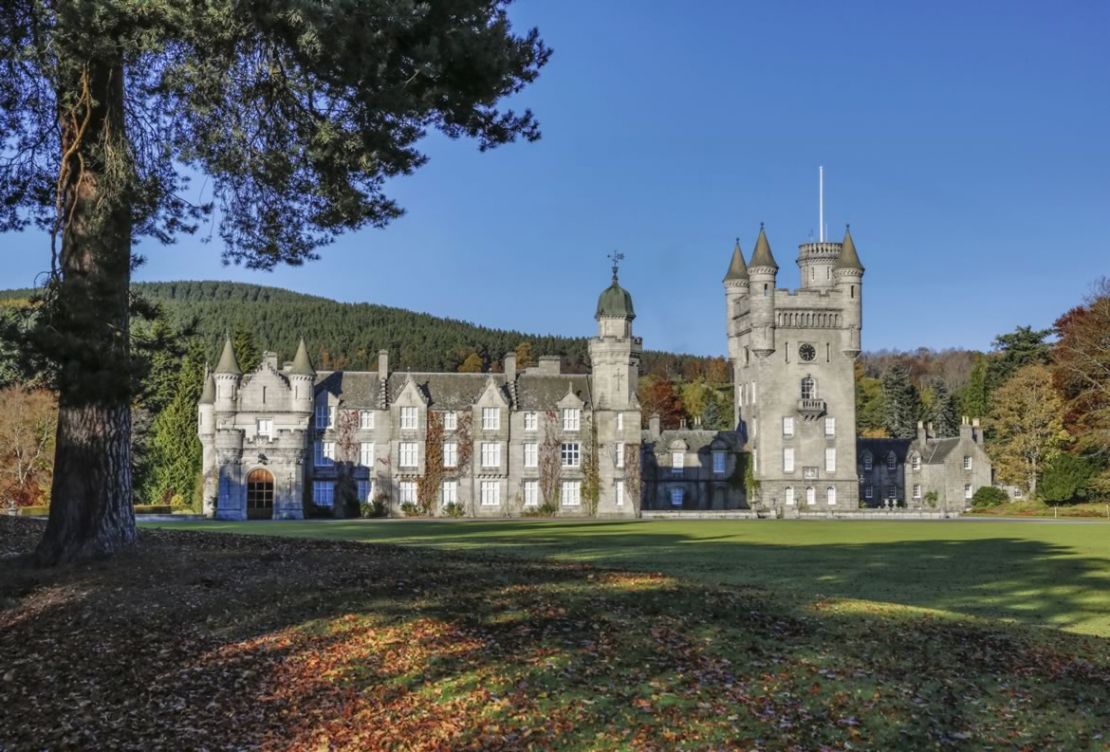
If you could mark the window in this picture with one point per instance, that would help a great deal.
(364, 490)
(531, 454)
(619, 449)
(571, 494)
(572, 418)
(830, 496)
(408, 491)
(967, 462)
(491, 454)
(450, 421)
(891, 492)
(530, 421)
(788, 426)
(325, 453)
(365, 420)
(811, 495)
(322, 416)
(450, 454)
(620, 421)
(678, 461)
(868, 491)
(809, 389)
(790, 496)
(620, 493)
(830, 427)
(408, 454)
(531, 493)
(366, 454)
(266, 427)
(677, 496)
(323, 493)
(408, 418)
(915, 463)
(917, 490)
(571, 454)
(867, 461)
(491, 418)
(830, 459)
(450, 492)
(891, 461)
(967, 491)
(788, 460)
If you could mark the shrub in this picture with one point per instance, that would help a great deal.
(547, 509)
(153, 509)
(315, 511)
(452, 509)
(931, 499)
(1066, 479)
(373, 509)
(989, 496)
(411, 510)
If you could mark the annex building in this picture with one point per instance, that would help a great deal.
(286, 439)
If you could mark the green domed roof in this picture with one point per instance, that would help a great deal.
(615, 301)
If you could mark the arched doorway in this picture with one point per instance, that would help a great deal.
(260, 495)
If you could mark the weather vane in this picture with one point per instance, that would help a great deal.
(616, 257)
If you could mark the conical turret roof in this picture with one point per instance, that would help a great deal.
(761, 256)
(849, 259)
(737, 269)
(228, 363)
(208, 394)
(302, 366)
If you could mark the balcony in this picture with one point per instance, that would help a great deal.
(811, 408)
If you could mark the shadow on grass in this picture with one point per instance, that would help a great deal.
(1034, 582)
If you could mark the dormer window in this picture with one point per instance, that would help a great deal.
(572, 418)
(491, 418)
(408, 418)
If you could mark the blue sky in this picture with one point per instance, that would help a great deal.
(966, 143)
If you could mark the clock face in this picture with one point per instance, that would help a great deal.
(807, 353)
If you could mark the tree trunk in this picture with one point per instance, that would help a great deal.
(87, 332)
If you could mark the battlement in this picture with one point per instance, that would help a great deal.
(825, 250)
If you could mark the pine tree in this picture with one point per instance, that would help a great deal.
(901, 403)
(175, 451)
(944, 414)
(246, 349)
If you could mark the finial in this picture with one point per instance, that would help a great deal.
(761, 225)
(616, 257)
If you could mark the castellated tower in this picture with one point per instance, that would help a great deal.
(615, 372)
(792, 354)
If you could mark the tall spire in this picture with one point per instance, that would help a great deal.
(302, 366)
(228, 363)
(849, 259)
(737, 269)
(761, 256)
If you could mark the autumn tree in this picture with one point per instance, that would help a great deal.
(1026, 422)
(658, 396)
(524, 356)
(1081, 373)
(472, 363)
(296, 114)
(27, 426)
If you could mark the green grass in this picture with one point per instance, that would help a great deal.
(1037, 508)
(1037, 574)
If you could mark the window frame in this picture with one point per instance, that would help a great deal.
(572, 419)
(491, 418)
(572, 451)
(410, 418)
(406, 448)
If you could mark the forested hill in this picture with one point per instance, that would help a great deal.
(348, 335)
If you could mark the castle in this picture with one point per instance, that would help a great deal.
(286, 439)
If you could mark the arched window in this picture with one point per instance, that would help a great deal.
(260, 494)
(811, 495)
(891, 461)
(809, 389)
(830, 496)
(790, 496)
(867, 461)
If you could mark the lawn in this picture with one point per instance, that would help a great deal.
(1040, 574)
(201, 641)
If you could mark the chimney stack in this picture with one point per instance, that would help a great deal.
(510, 367)
(383, 365)
(922, 435)
(654, 426)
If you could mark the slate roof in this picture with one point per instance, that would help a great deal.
(228, 363)
(762, 256)
(208, 394)
(937, 450)
(452, 391)
(697, 439)
(880, 448)
(302, 366)
(848, 259)
(737, 269)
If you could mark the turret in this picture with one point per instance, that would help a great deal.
(736, 284)
(762, 272)
(816, 262)
(614, 352)
(206, 407)
(226, 377)
(849, 280)
(302, 378)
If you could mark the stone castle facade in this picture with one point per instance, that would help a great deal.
(283, 439)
